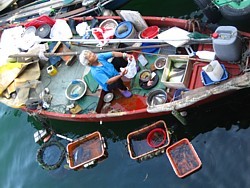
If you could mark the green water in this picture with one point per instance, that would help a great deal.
(218, 131)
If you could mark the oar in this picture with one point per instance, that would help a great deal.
(48, 54)
(110, 41)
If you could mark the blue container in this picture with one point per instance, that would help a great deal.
(178, 94)
(150, 50)
(207, 81)
(124, 30)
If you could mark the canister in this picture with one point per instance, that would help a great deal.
(51, 70)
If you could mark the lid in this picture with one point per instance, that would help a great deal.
(108, 97)
(150, 32)
(30, 30)
(43, 31)
(123, 29)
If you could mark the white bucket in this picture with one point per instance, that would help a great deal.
(214, 70)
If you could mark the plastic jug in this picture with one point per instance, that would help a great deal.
(51, 70)
(214, 70)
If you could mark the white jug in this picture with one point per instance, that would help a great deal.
(214, 70)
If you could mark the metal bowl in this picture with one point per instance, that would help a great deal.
(156, 97)
(76, 89)
(160, 63)
(108, 97)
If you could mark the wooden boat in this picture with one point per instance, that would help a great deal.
(61, 9)
(230, 10)
(193, 89)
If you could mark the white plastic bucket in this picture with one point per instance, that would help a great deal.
(214, 70)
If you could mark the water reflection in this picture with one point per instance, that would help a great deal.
(223, 113)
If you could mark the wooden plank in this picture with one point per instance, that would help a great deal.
(71, 13)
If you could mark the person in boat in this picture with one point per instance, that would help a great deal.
(107, 74)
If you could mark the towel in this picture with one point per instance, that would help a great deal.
(91, 82)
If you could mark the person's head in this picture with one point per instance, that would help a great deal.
(88, 58)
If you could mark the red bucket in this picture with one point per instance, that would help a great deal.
(156, 137)
(150, 32)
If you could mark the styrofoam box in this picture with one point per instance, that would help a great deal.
(187, 73)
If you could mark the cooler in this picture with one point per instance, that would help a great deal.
(227, 44)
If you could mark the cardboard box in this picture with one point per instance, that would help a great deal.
(177, 80)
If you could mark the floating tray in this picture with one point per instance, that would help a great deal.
(86, 151)
(183, 158)
(138, 146)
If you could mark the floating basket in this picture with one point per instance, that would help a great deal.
(51, 155)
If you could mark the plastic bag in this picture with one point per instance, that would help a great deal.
(58, 33)
(103, 35)
(131, 67)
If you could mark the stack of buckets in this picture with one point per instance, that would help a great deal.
(149, 33)
(126, 30)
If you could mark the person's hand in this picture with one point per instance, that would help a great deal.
(123, 71)
(127, 56)
(130, 57)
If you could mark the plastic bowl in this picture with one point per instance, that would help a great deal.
(76, 89)
(156, 137)
(150, 32)
(109, 23)
(145, 75)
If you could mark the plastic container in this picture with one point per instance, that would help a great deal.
(150, 32)
(183, 158)
(214, 70)
(227, 44)
(205, 55)
(138, 146)
(51, 70)
(126, 30)
(207, 81)
(43, 31)
(109, 24)
(156, 137)
(86, 151)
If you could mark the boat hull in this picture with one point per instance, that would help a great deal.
(135, 108)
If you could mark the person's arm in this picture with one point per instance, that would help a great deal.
(115, 78)
(120, 54)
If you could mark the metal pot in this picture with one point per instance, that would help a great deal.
(156, 97)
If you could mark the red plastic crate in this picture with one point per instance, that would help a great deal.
(183, 158)
(138, 145)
